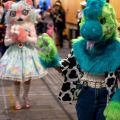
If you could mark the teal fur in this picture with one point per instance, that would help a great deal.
(101, 59)
(116, 96)
(51, 64)
(88, 33)
(96, 6)
(112, 111)
(105, 55)
(92, 28)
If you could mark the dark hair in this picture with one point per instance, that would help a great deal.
(60, 5)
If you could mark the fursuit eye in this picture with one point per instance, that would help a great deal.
(12, 13)
(103, 21)
(25, 12)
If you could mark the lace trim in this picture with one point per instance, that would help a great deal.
(25, 79)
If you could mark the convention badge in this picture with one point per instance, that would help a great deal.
(76, 92)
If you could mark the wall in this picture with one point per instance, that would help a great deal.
(116, 4)
(71, 7)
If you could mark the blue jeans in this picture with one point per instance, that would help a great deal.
(91, 103)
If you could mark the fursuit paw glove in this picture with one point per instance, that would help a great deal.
(48, 51)
(18, 34)
(112, 111)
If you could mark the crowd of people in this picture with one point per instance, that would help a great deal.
(54, 18)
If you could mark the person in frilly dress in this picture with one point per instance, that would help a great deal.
(20, 62)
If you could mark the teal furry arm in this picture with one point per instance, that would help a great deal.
(112, 111)
(48, 52)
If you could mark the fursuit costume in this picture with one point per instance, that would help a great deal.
(21, 60)
(92, 68)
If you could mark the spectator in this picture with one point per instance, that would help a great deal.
(44, 7)
(3, 48)
(58, 16)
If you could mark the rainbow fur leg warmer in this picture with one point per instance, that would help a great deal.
(112, 111)
(48, 52)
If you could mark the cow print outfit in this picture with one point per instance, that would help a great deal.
(72, 75)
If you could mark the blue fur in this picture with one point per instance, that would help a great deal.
(96, 6)
(101, 59)
(54, 63)
(92, 28)
(116, 96)
(87, 30)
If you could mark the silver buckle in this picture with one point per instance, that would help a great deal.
(98, 84)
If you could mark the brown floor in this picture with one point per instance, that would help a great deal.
(43, 96)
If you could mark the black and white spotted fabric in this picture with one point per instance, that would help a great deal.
(112, 81)
(72, 75)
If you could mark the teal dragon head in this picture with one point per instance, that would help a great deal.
(98, 22)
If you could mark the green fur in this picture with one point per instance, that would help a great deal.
(51, 64)
(110, 27)
(50, 52)
(112, 111)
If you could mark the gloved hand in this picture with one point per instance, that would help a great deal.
(112, 111)
(18, 34)
(48, 50)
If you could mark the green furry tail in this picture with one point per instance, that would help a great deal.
(112, 111)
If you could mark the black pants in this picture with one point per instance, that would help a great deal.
(3, 48)
(60, 36)
(39, 28)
